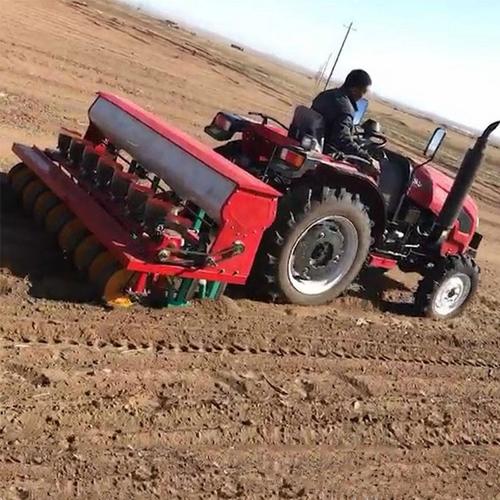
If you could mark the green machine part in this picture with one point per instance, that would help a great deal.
(191, 288)
(194, 289)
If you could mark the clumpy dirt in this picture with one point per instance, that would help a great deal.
(235, 399)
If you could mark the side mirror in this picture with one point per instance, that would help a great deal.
(434, 143)
(362, 106)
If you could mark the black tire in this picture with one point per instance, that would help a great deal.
(298, 212)
(431, 291)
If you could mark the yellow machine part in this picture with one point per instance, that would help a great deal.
(31, 192)
(71, 235)
(86, 252)
(114, 294)
(98, 266)
(111, 280)
(104, 271)
(57, 217)
(43, 204)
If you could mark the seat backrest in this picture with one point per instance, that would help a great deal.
(306, 121)
(395, 174)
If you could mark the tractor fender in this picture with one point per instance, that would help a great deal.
(359, 184)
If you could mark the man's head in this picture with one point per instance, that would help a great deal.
(357, 83)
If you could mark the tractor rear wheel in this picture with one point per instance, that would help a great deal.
(447, 287)
(316, 247)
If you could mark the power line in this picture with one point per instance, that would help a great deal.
(349, 29)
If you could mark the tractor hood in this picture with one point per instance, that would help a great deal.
(431, 187)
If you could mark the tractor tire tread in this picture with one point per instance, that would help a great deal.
(293, 208)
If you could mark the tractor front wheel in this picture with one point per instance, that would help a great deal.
(447, 287)
(316, 246)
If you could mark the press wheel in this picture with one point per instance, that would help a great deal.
(114, 284)
(71, 235)
(20, 178)
(31, 192)
(57, 218)
(43, 205)
(86, 252)
(99, 265)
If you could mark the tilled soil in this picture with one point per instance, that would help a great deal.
(239, 398)
(230, 399)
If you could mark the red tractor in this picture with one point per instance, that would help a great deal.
(148, 213)
(333, 219)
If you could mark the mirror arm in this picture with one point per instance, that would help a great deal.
(410, 182)
(426, 162)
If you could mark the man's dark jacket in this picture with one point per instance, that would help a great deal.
(338, 112)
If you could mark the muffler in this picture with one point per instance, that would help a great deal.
(461, 187)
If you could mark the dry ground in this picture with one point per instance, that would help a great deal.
(239, 398)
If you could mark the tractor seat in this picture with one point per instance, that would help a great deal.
(307, 122)
(395, 173)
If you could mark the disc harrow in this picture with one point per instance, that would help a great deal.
(141, 209)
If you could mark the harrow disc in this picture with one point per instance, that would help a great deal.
(43, 204)
(86, 252)
(20, 178)
(31, 192)
(57, 218)
(15, 170)
(99, 265)
(113, 285)
(71, 235)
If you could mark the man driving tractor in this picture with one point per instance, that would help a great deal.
(338, 106)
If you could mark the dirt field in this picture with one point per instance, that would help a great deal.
(238, 398)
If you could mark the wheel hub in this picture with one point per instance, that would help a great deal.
(452, 294)
(318, 252)
(322, 255)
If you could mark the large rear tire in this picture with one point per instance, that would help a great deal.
(316, 247)
(447, 287)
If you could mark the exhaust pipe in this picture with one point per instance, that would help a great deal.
(463, 182)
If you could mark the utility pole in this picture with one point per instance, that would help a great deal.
(324, 67)
(349, 28)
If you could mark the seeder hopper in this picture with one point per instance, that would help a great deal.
(146, 211)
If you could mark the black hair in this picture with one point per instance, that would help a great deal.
(357, 78)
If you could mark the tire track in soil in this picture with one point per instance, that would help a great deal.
(350, 350)
(238, 390)
(229, 430)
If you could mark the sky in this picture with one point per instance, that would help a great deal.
(440, 56)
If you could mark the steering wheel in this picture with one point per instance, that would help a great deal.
(373, 141)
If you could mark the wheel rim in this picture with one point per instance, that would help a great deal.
(452, 294)
(322, 255)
